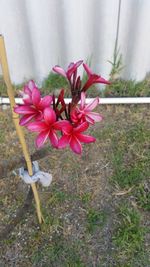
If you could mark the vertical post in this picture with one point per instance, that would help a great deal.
(10, 92)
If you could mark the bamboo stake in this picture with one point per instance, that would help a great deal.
(6, 75)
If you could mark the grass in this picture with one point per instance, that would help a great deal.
(129, 167)
(95, 219)
(129, 236)
(142, 195)
(58, 252)
(76, 220)
(118, 88)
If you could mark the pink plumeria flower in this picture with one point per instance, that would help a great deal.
(92, 78)
(34, 105)
(84, 112)
(73, 137)
(47, 128)
(70, 70)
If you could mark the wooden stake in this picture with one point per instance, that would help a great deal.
(10, 91)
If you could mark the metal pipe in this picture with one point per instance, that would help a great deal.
(107, 101)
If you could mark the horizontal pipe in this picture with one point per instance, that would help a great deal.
(115, 100)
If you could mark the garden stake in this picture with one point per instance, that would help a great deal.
(10, 92)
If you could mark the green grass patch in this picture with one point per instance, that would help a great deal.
(58, 253)
(127, 147)
(131, 88)
(129, 235)
(95, 219)
(142, 195)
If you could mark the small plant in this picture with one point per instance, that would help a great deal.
(116, 64)
(95, 219)
(142, 195)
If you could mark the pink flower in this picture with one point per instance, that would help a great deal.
(92, 78)
(47, 128)
(84, 112)
(73, 137)
(34, 105)
(70, 70)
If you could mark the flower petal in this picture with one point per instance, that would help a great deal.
(89, 119)
(53, 138)
(63, 125)
(75, 145)
(27, 90)
(59, 70)
(82, 104)
(92, 104)
(37, 126)
(49, 116)
(31, 85)
(81, 128)
(94, 116)
(41, 138)
(23, 109)
(85, 138)
(45, 102)
(36, 97)
(87, 69)
(63, 141)
(25, 119)
(72, 68)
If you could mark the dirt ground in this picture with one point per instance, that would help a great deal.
(81, 205)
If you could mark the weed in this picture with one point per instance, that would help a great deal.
(142, 196)
(85, 198)
(127, 88)
(95, 219)
(117, 64)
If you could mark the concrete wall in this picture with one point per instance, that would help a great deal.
(41, 33)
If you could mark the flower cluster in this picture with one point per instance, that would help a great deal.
(64, 125)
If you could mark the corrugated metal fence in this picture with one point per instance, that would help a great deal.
(40, 34)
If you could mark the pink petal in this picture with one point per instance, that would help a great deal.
(85, 138)
(27, 90)
(31, 84)
(92, 104)
(75, 145)
(81, 128)
(82, 104)
(37, 126)
(23, 109)
(72, 68)
(60, 71)
(102, 80)
(25, 119)
(89, 119)
(63, 141)
(39, 116)
(94, 116)
(87, 69)
(49, 116)
(45, 102)
(36, 97)
(63, 125)
(27, 100)
(41, 138)
(53, 138)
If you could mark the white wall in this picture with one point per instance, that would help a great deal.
(41, 33)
